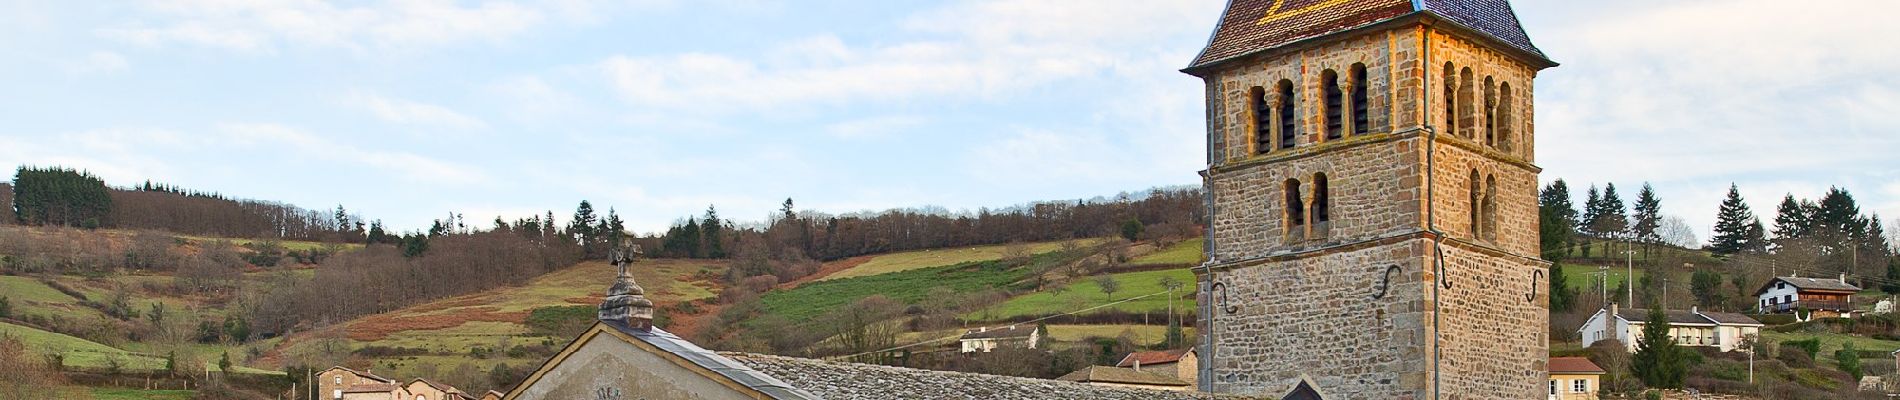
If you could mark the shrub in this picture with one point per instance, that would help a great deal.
(1795, 359)
(1812, 346)
(561, 321)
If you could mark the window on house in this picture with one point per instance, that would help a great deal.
(1490, 112)
(1507, 125)
(1288, 120)
(1788, 299)
(1553, 387)
(1295, 209)
(1335, 103)
(1321, 204)
(1451, 100)
(1491, 208)
(1579, 386)
(1467, 89)
(336, 394)
(1361, 122)
(1476, 208)
(1262, 120)
(339, 380)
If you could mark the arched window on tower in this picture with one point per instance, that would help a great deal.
(1451, 100)
(1490, 112)
(1335, 105)
(1476, 205)
(1466, 91)
(1491, 208)
(1361, 120)
(1322, 205)
(1262, 120)
(1507, 125)
(1289, 122)
(1295, 209)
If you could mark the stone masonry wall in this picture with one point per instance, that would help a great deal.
(1491, 326)
(1316, 318)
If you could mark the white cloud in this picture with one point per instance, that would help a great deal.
(1048, 155)
(99, 62)
(874, 127)
(413, 167)
(264, 26)
(413, 112)
(117, 155)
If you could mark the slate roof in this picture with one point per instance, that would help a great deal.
(1249, 26)
(1013, 331)
(1689, 317)
(1810, 284)
(1153, 357)
(1107, 374)
(1574, 365)
(851, 381)
(723, 366)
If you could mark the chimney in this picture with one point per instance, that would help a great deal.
(626, 301)
(1692, 310)
(1843, 278)
(1137, 365)
(982, 329)
(1609, 323)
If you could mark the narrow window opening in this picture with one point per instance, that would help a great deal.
(1490, 113)
(1507, 125)
(1295, 209)
(1466, 125)
(1321, 203)
(1288, 121)
(1262, 120)
(1335, 99)
(1476, 207)
(1361, 121)
(1451, 100)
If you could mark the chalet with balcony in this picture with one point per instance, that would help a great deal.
(1694, 327)
(1821, 296)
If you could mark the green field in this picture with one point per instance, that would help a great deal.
(298, 245)
(817, 298)
(1831, 342)
(135, 394)
(910, 260)
(1085, 292)
(1144, 335)
(1183, 252)
(1584, 277)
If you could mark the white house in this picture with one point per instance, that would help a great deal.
(1822, 296)
(985, 339)
(1694, 327)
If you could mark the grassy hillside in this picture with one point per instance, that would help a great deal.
(1085, 292)
(135, 394)
(909, 286)
(1183, 252)
(1584, 277)
(447, 333)
(85, 354)
(910, 260)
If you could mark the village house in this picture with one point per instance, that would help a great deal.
(336, 380)
(1101, 375)
(492, 395)
(1821, 296)
(424, 389)
(984, 339)
(339, 383)
(623, 356)
(1723, 331)
(1181, 364)
(1574, 378)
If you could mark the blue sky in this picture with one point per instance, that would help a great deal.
(409, 110)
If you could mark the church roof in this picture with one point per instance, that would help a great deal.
(1250, 26)
(848, 381)
(703, 358)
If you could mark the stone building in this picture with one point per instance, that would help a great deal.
(1101, 375)
(1371, 188)
(1181, 364)
(331, 383)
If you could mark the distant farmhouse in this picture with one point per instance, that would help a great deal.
(624, 357)
(1695, 328)
(1823, 297)
(339, 383)
(1161, 370)
(984, 339)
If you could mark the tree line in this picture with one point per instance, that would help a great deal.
(59, 196)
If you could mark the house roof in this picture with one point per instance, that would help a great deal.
(373, 388)
(1689, 317)
(1012, 331)
(437, 386)
(1250, 26)
(1811, 285)
(1107, 374)
(365, 375)
(1153, 357)
(849, 381)
(1574, 365)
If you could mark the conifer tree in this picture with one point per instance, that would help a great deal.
(1592, 208)
(1732, 222)
(712, 231)
(1557, 221)
(1612, 219)
(1658, 361)
(1648, 217)
(1791, 219)
(582, 229)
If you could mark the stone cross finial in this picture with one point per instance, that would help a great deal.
(626, 302)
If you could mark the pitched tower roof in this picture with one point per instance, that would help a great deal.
(1250, 26)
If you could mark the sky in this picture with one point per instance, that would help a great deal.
(408, 110)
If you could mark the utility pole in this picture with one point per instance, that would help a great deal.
(1629, 279)
(1603, 284)
(1665, 297)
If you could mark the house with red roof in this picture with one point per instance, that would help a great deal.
(1574, 378)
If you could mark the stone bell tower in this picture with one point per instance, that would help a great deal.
(1372, 197)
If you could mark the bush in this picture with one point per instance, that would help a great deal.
(1812, 346)
(561, 321)
(1795, 359)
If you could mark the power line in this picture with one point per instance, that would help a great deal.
(1022, 323)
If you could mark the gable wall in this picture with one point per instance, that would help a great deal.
(607, 363)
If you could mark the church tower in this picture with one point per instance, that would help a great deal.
(1371, 188)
